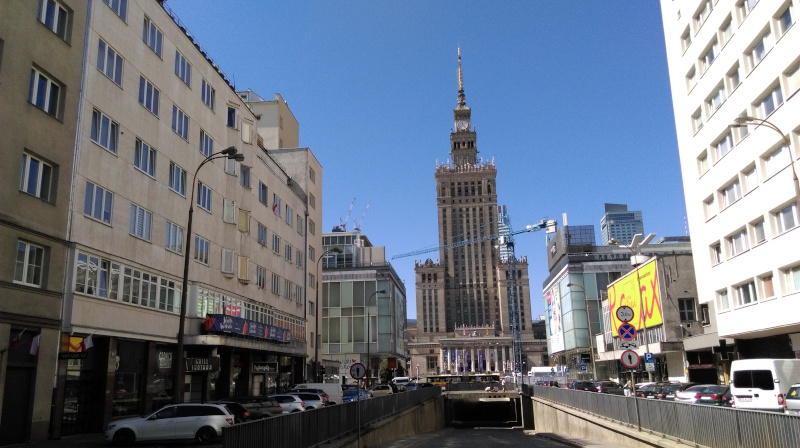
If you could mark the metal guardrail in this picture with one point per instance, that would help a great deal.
(311, 428)
(712, 426)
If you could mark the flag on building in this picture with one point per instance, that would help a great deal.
(35, 345)
(87, 343)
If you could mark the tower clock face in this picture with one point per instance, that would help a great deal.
(462, 125)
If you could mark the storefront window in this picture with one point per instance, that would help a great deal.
(128, 391)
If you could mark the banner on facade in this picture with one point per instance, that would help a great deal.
(236, 325)
(265, 367)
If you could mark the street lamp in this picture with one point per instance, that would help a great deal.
(636, 260)
(177, 362)
(317, 310)
(743, 120)
(369, 335)
(589, 321)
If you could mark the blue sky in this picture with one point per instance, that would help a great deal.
(570, 98)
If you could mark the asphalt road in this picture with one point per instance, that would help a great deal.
(490, 437)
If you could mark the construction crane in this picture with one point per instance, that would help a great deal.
(357, 225)
(342, 227)
(506, 238)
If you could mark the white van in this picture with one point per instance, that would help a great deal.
(400, 382)
(334, 390)
(763, 384)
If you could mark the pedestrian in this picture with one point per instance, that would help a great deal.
(628, 388)
(503, 383)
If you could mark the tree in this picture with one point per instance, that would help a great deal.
(384, 373)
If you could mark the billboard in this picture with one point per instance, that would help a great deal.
(554, 324)
(625, 292)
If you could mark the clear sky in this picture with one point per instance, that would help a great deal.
(570, 98)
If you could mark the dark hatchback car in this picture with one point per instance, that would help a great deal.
(583, 385)
(606, 387)
(240, 413)
(259, 407)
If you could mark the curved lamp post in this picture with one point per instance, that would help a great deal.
(588, 321)
(369, 331)
(317, 337)
(177, 362)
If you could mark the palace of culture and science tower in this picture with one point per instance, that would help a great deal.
(462, 301)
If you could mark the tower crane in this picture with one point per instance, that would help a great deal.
(506, 238)
(343, 223)
(357, 225)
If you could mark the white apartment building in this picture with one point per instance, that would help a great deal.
(730, 59)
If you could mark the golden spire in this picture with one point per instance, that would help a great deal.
(460, 79)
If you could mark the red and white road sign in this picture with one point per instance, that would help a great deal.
(357, 371)
(629, 359)
(624, 313)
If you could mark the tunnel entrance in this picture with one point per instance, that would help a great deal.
(481, 409)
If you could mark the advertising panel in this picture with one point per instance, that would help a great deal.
(625, 292)
(554, 323)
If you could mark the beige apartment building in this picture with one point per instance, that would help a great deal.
(41, 52)
(117, 120)
(731, 63)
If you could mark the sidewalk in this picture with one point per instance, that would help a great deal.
(77, 441)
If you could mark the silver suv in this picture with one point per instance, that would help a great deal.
(289, 403)
(186, 421)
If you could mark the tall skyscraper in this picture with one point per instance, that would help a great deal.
(462, 306)
(620, 223)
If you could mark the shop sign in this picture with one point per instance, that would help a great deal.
(202, 364)
(164, 360)
(73, 355)
(265, 367)
(236, 325)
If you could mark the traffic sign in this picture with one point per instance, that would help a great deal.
(648, 357)
(629, 359)
(625, 313)
(651, 367)
(629, 345)
(583, 367)
(552, 370)
(357, 371)
(627, 332)
(566, 370)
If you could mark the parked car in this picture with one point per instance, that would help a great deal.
(662, 391)
(260, 407)
(712, 395)
(185, 421)
(355, 394)
(792, 402)
(582, 385)
(381, 390)
(240, 413)
(668, 392)
(320, 392)
(606, 387)
(334, 390)
(289, 403)
(646, 391)
(310, 400)
(692, 394)
(401, 382)
(763, 384)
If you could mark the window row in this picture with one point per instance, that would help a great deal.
(754, 233)
(759, 289)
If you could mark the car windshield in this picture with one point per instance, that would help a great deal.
(672, 388)
(794, 393)
(715, 389)
(696, 389)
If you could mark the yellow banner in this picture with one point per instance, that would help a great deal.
(625, 293)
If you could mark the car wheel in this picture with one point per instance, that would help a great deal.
(206, 435)
(124, 437)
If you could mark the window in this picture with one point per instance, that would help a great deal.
(36, 177)
(287, 252)
(731, 194)
(776, 161)
(244, 176)
(758, 231)
(705, 314)
(174, 237)
(231, 117)
(734, 78)
(287, 289)
(746, 293)
(144, 158)
(312, 201)
(148, 95)
(784, 20)
(276, 281)
(228, 211)
(760, 49)
(746, 6)
(29, 266)
(201, 246)
(312, 254)
(767, 289)
(298, 294)
(312, 175)
(203, 196)
(691, 79)
(180, 122)
(230, 166)
(105, 131)
(276, 204)
(298, 259)
(262, 192)
(141, 222)
(702, 163)
(786, 218)
(312, 227)
(120, 7)
(109, 62)
(722, 298)
(182, 68)
(750, 179)
(793, 79)
(299, 222)
(701, 15)
(242, 272)
(261, 277)
(276, 243)
(717, 99)
(716, 254)
(177, 179)
(311, 281)
(686, 310)
(289, 215)
(769, 103)
(738, 243)
(207, 94)
(791, 278)
(206, 144)
(262, 234)
(697, 121)
(709, 56)
(227, 261)
(55, 17)
(98, 203)
(246, 135)
(44, 92)
(686, 39)
(244, 221)
(152, 36)
(726, 31)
